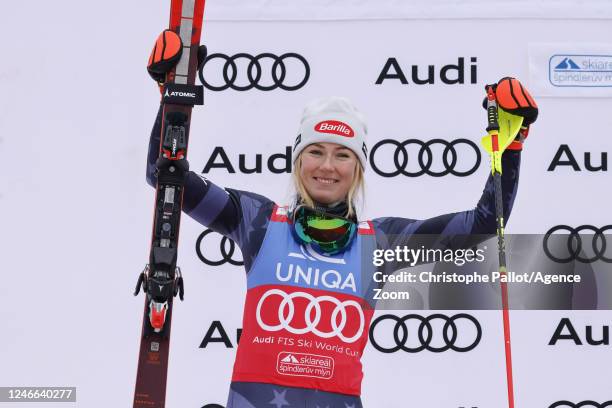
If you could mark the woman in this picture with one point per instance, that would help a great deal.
(309, 265)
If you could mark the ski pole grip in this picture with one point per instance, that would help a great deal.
(492, 123)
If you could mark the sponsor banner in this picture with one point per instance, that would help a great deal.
(422, 100)
(547, 345)
(464, 351)
(571, 69)
(410, 157)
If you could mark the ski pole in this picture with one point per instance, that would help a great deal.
(496, 171)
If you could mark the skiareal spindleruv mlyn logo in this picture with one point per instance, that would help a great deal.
(593, 71)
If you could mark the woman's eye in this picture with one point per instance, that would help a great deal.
(315, 152)
(343, 155)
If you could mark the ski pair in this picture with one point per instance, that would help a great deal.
(161, 279)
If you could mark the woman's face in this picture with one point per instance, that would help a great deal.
(327, 171)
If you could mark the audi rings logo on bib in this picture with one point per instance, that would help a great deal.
(226, 246)
(587, 248)
(334, 127)
(413, 333)
(265, 72)
(324, 316)
(414, 158)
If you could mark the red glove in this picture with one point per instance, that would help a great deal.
(514, 98)
(165, 54)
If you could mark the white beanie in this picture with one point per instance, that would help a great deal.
(333, 120)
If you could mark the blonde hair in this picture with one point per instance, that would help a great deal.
(356, 189)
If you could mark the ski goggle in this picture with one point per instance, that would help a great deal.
(329, 233)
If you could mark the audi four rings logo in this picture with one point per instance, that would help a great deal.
(425, 158)
(226, 253)
(583, 404)
(264, 71)
(425, 331)
(286, 313)
(574, 244)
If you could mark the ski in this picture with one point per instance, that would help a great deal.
(161, 279)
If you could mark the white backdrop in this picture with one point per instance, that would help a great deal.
(75, 119)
